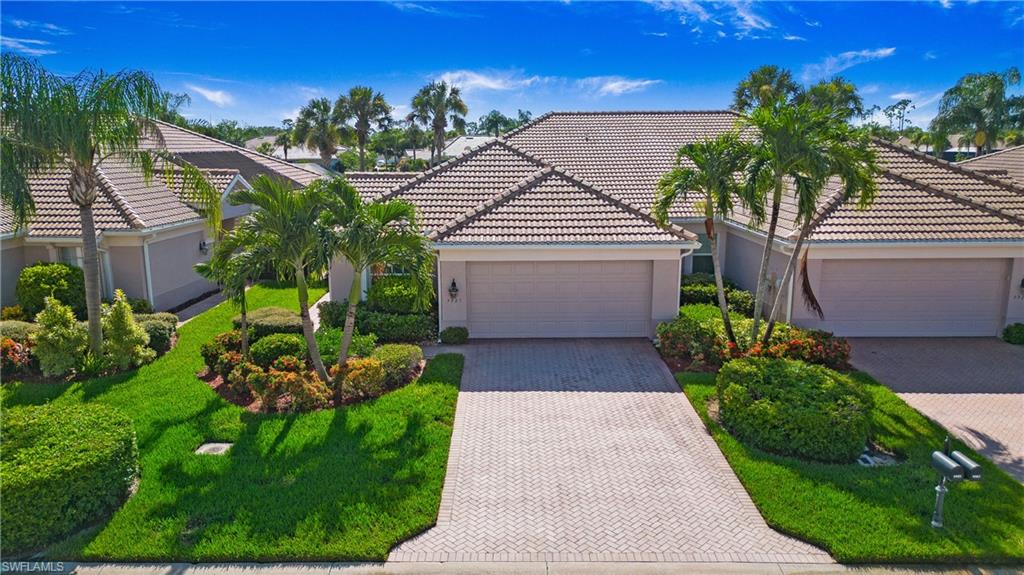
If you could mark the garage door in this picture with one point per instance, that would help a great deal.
(940, 297)
(559, 299)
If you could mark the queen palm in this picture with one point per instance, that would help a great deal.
(713, 178)
(764, 86)
(367, 109)
(51, 123)
(286, 226)
(371, 234)
(237, 259)
(436, 105)
(316, 129)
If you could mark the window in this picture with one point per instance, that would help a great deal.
(69, 256)
(702, 262)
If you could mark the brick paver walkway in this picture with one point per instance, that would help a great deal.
(973, 387)
(586, 450)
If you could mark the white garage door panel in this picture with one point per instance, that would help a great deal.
(559, 299)
(940, 297)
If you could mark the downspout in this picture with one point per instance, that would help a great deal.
(440, 298)
(148, 269)
(108, 274)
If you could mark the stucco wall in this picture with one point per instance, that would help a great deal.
(174, 279)
(339, 279)
(1015, 297)
(127, 270)
(454, 312)
(15, 255)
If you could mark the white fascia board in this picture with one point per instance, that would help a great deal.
(915, 250)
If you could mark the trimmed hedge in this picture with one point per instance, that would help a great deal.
(19, 331)
(454, 335)
(392, 294)
(160, 334)
(332, 313)
(276, 345)
(700, 288)
(789, 407)
(267, 320)
(399, 362)
(45, 279)
(328, 340)
(1014, 333)
(162, 316)
(396, 327)
(64, 466)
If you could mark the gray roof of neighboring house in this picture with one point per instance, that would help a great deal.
(372, 185)
(463, 144)
(1008, 163)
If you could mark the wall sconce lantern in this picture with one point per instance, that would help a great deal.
(204, 247)
(453, 291)
(1022, 285)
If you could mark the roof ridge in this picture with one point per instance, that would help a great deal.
(438, 169)
(478, 210)
(896, 175)
(835, 200)
(122, 205)
(524, 154)
(990, 154)
(526, 125)
(952, 166)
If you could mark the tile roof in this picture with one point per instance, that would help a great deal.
(372, 185)
(552, 207)
(1004, 163)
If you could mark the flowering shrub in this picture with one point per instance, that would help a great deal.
(13, 313)
(238, 379)
(226, 363)
(360, 379)
(305, 388)
(276, 345)
(14, 356)
(265, 388)
(219, 345)
(288, 363)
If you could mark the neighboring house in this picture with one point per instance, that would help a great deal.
(1005, 164)
(296, 153)
(546, 232)
(149, 238)
(463, 144)
(962, 146)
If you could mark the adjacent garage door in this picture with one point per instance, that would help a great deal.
(939, 297)
(559, 299)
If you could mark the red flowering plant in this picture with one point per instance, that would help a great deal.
(14, 356)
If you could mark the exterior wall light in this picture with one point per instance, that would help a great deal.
(204, 247)
(453, 291)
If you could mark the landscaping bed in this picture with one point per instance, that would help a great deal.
(334, 484)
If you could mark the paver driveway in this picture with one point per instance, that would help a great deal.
(586, 450)
(973, 387)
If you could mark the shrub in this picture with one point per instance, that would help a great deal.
(275, 345)
(93, 365)
(700, 288)
(19, 331)
(740, 301)
(64, 466)
(124, 341)
(701, 278)
(793, 408)
(267, 320)
(1014, 333)
(305, 388)
(332, 313)
(140, 305)
(264, 388)
(393, 327)
(399, 362)
(160, 334)
(13, 313)
(163, 316)
(14, 356)
(219, 345)
(392, 294)
(61, 341)
(360, 379)
(328, 340)
(454, 335)
(226, 363)
(288, 363)
(238, 378)
(59, 280)
(691, 337)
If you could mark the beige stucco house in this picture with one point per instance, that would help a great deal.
(546, 232)
(149, 237)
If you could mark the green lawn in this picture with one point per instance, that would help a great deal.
(878, 515)
(332, 485)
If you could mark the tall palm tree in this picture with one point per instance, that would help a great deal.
(763, 86)
(316, 129)
(978, 106)
(494, 123)
(837, 94)
(286, 225)
(372, 234)
(237, 259)
(284, 139)
(713, 177)
(436, 105)
(414, 135)
(368, 109)
(50, 122)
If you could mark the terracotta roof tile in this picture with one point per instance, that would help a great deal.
(372, 185)
(1007, 163)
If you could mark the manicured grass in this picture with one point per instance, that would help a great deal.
(863, 515)
(331, 485)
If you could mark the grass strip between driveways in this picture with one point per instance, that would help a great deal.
(880, 514)
(339, 484)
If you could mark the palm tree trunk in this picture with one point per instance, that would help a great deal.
(91, 269)
(307, 324)
(354, 293)
(362, 152)
(786, 276)
(762, 276)
(245, 326)
(709, 226)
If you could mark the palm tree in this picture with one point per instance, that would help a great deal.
(763, 86)
(836, 94)
(372, 234)
(368, 109)
(436, 105)
(414, 135)
(317, 130)
(50, 122)
(284, 139)
(978, 106)
(713, 177)
(236, 260)
(494, 123)
(286, 225)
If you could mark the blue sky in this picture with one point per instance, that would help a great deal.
(258, 62)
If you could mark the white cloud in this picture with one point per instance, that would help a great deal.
(658, 34)
(870, 89)
(614, 85)
(919, 99)
(794, 38)
(219, 98)
(736, 16)
(470, 80)
(930, 55)
(946, 3)
(414, 7)
(44, 27)
(746, 20)
(27, 46)
(836, 64)
(813, 23)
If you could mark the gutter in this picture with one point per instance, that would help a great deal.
(691, 245)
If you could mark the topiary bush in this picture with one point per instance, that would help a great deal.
(454, 335)
(19, 331)
(397, 328)
(62, 281)
(125, 342)
(160, 334)
(399, 362)
(275, 345)
(392, 294)
(64, 466)
(61, 341)
(793, 408)
(328, 341)
(1014, 333)
(267, 320)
